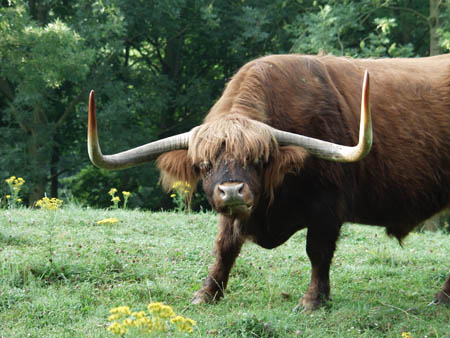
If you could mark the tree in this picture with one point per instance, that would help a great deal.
(39, 75)
(370, 28)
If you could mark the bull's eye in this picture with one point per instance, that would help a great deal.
(205, 167)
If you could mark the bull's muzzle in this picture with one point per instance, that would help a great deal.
(231, 193)
(233, 198)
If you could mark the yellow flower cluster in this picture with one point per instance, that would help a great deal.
(157, 321)
(182, 195)
(116, 199)
(406, 335)
(117, 328)
(112, 191)
(119, 312)
(15, 183)
(18, 199)
(49, 203)
(180, 186)
(161, 310)
(111, 220)
(183, 324)
(126, 196)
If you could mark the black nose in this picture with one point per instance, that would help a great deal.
(231, 193)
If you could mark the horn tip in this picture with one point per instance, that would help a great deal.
(91, 102)
(366, 75)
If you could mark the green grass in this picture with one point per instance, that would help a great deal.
(60, 273)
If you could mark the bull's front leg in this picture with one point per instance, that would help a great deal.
(443, 296)
(320, 246)
(227, 247)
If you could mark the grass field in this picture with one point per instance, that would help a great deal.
(61, 273)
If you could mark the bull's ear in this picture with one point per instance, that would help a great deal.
(288, 159)
(176, 166)
(291, 158)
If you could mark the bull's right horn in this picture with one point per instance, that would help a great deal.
(332, 151)
(132, 157)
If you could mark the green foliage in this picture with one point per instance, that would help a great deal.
(349, 28)
(61, 273)
(158, 66)
(39, 63)
(444, 30)
(90, 186)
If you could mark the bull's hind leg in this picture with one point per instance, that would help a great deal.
(320, 246)
(227, 247)
(443, 296)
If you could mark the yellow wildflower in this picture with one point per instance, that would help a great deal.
(8, 196)
(114, 317)
(176, 185)
(126, 196)
(115, 199)
(111, 220)
(139, 315)
(49, 203)
(15, 182)
(154, 306)
(183, 324)
(406, 335)
(10, 180)
(117, 328)
(128, 322)
(125, 310)
(19, 182)
(158, 321)
(159, 325)
(112, 191)
(173, 195)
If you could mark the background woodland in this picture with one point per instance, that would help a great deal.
(157, 67)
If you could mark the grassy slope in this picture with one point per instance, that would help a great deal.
(378, 288)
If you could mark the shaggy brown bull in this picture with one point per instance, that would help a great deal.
(275, 156)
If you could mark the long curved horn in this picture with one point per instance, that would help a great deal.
(332, 151)
(132, 157)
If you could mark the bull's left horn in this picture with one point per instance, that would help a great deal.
(132, 157)
(332, 151)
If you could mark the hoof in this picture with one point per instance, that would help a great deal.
(441, 298)
(202, 297)
(310, 303)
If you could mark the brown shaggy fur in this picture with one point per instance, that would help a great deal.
(177, 166)
(235, 135)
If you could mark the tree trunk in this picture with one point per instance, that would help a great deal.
(36, 193)
(434, 26)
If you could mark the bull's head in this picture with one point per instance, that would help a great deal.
(237, 158)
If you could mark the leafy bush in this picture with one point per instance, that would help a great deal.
(90, 186)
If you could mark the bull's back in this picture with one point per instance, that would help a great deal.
(406, 177)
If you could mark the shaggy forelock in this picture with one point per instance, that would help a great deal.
(235, 137)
